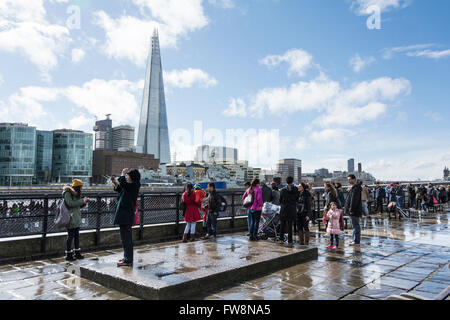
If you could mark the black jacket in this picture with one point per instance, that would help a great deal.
(266, 194)
(289, 199)
(214, 202)
(305, 205)
(353, 205)
(126, 206)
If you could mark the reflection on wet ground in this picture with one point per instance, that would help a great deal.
(395, 257)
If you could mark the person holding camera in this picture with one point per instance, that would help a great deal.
(128, 186)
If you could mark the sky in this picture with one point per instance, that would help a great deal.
(322, 81)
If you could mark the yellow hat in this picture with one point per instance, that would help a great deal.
(77, 183)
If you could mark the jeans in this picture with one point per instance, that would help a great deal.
(126, 235)
(379, 205)
(73, 235)
(288, 224)
(302, 224)
(254, 227)
(332, 237)
(190, 226)
(211, 224)
(249, 220)
(365, 208)
(356, 229)
(424, 207)
(400, 201)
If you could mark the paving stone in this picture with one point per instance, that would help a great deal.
(397, 283)
(356, 297)
(432, 287)
(378, 291)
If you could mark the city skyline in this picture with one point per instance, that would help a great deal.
(232, 66)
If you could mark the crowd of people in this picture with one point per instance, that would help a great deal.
(296, 203)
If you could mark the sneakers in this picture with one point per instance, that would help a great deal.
(207, 237)
(330, 246)
(123, 263)
(335, 248)
(353, 244)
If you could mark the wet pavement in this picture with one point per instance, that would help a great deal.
(395, 257)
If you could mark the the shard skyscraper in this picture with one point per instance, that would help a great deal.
(153, 136)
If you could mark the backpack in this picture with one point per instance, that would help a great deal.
(223, 204)
(63, 215)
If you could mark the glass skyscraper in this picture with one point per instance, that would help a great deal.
(17, 154)
(153, 137)
(44, 156)
(72, 156)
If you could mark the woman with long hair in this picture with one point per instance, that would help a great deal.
(74, 201)
(192, 213)
(255, 210)
(304, 214)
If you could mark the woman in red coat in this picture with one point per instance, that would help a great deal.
(192, 213)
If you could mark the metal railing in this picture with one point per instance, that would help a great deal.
(31, 214)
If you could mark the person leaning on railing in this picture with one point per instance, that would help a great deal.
(128, 186)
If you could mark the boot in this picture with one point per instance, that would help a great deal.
(301, 238)
(307, 237)
(69, 256)
(78, 255)
(185, 238)
(192, 237)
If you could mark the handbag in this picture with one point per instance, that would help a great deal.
(435, 202)
(248, 201)
(62, 219)
(137, 220)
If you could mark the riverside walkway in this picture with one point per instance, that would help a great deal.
(395, 257)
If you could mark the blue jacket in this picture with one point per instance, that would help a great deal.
(126, 206)
(380, 193)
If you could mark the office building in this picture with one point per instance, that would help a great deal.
(153, 135)
(44, 157)
(104, 134)
(17, 154)
(289, 168)
(72, 156)
(351, 166)
(209, 154)
(123, 138)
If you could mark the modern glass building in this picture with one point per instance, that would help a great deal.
(153, 137)
(72, 156)
(17, 154)
(44, 157)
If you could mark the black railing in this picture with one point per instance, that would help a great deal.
(28, 215)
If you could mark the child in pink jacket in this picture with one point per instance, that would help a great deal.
(335, 218)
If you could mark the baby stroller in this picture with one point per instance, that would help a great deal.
(397, 211)
(270, 222)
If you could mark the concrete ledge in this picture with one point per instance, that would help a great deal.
(179, 271)
(29, 248)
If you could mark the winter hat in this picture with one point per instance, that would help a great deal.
(77, 183)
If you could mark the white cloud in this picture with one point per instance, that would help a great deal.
(95, 98)
(188, 78)
(299, 61)
(24, 29)
(127, 37)
(364, 101)
(236, 108)
(80, 122)
(328, 136)
(430, 54)
(418, 50)
(361, 6)
(358, 63)
(225, 4)
(78, 54)
(435, 116)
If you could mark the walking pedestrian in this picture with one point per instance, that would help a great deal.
(256, 208)
(72, 196)
(365, 194)
(289, 197)
(128, 186)
(192, 214)
(304, 215)
(353, 208)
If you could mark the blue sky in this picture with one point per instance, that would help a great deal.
(312, 71)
